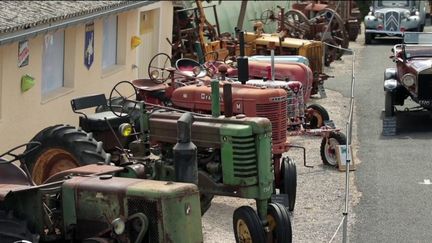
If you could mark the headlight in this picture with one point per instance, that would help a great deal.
(125, 129)
(406, 14)
(408, 80)
(118, 226)
(196, 70)
(154, 74)
(379, 15)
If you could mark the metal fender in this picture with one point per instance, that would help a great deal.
(390, 73)
(390, 84)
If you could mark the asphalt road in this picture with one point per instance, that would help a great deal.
(395, 206)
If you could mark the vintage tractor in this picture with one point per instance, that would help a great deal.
(94, 203)
(255, 101)
(347, 13)
(333, 22)
(233, 156)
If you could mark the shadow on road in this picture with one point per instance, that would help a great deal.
(414, 124)
(385, 41)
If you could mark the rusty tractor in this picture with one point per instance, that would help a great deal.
(323, 24)
(96, 203)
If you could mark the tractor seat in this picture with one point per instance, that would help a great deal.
(148, 85)
(96, 121)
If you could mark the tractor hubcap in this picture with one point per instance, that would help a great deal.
(51, 162)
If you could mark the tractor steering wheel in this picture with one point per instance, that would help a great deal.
(11, 153)
(125, 106)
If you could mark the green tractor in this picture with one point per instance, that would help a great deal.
(232, 156)
(95, 203)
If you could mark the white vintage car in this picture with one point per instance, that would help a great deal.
(392, 18)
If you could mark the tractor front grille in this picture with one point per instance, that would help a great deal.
(314, 53)
(277, 114)
(150, 209)
(392, 21)
(244, 157)
(424, 86)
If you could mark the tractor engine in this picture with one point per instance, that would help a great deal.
(93, 203)
(135, 210)
(234, 151)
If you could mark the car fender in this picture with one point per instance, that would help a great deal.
(390, 84)
(390, 73)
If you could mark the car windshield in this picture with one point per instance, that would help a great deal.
(418, 38)
(384, 3)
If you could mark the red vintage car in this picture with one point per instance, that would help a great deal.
(410, 78)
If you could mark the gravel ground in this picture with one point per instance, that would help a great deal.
(320, 190)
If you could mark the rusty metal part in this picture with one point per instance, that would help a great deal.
(92, 169)
(298, 19)
(50, 162)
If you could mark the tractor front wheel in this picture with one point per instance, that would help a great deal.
(63, 147)
(279, 223)
(316, 116)
(329, 145)
(289, 181)
(247, 226)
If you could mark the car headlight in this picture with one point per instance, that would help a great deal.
(408, 79)
(406, 14)
(379, 15)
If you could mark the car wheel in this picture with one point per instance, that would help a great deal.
(421, 28)
(368, 38)
(389, 104)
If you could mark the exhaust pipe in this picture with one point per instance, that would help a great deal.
(227, 97)
(215, 102)
(242, 61)
(185, 152)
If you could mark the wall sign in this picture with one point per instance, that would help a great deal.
(23, 53)
(89, 45)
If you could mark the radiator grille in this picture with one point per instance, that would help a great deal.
(425, 86)
(277, 114)
(314, 54)
(244, 156)
(150, 209)
(392, 20)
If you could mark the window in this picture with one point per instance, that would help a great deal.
(109, 53)
(53, 62)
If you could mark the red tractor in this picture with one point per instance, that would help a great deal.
(283, 102)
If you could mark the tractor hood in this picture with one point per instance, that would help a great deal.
(245, 97)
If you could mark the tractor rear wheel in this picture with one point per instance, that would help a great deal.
(63, 147)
